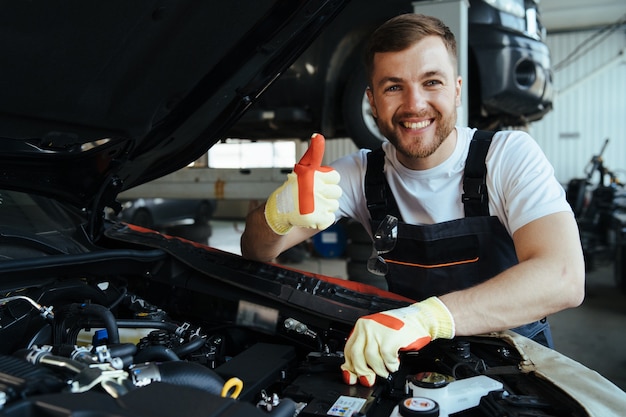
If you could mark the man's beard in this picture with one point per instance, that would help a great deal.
(417, 148)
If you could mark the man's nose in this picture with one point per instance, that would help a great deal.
(415, 99)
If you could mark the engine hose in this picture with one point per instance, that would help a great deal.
(194, 344)
(191, 374)
(156, 353)
(147, 324)
(104, 314)
(122, 349)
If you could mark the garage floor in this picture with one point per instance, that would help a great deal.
(593, 334)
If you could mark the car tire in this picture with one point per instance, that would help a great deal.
(204, 213)
(142, 218)
(357, 114)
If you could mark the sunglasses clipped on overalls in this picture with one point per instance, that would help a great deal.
(419, 261)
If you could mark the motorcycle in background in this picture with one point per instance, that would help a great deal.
(599, 204)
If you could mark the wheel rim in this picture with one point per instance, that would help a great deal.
(368, 118)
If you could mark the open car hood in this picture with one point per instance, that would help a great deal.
(99, 97)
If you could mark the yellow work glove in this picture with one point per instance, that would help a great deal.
(372, 348)
(309, 197)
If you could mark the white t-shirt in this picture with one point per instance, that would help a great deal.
(520, 183)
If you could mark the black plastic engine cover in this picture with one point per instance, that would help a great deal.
(154, 400)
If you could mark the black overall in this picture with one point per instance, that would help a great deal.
(440, 258)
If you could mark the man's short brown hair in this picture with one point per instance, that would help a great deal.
(401, 32)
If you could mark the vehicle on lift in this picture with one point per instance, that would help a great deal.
(103, 318)
(510, 77)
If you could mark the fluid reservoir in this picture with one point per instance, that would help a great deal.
(418, 407)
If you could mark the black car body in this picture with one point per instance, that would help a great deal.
(185, 217)
(509, 74)
(103, 318)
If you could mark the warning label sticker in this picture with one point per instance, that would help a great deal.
(346, 406)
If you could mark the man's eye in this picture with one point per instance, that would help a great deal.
(433, 82)
(393, 88)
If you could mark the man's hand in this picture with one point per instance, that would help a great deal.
(373, 346)
(309, 197)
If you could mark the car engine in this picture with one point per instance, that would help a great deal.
(186, 330)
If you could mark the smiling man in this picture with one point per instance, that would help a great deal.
(481, 234)
(414, 94)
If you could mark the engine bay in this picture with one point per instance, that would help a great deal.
(186, 330)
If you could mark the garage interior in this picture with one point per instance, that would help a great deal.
(570, 135)
(123, 204)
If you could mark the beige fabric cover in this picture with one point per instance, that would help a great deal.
(596, 394)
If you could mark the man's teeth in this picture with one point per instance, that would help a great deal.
(416, 125)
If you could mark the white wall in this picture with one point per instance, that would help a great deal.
(590, 104)
(336, 148)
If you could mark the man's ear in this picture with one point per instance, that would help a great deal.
(370, 98)
(459, 84)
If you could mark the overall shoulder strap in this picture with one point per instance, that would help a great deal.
(475, 198)
(378, 195)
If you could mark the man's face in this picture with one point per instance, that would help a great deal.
(414, 96)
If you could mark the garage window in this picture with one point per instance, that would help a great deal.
(241, 153)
